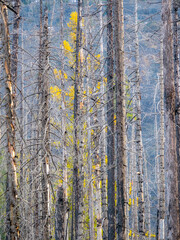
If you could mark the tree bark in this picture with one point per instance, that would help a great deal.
(161, 215)
(78, 176)
(13, 231)
(60, 212)
(176, 82)
(102, 139)
(141, 220)
(120, 119)
(44, 122)
(110, 126)
(170, 128)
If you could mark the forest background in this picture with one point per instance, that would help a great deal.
(60, 123)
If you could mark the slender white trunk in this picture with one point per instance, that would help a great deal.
(103, 137)
(161, 159)
(139, 134)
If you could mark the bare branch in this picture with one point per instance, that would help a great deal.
(8, 6)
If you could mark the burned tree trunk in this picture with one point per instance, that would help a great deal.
(44, 121)
(12, 198)
(110, 126)
(170, 128)
(121, 119)
(60, 212)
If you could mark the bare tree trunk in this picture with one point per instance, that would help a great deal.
(90, 190)
(120, 120)
(97, 173)
(78, 148)
(44, 124)
(103, 139)
(12, 197)
(161, 227)
(141, 220)
(14, 61)
(147, 200)
(176, 81)
(170, 129)
(110, 126)
(64, 133)
(60, 212)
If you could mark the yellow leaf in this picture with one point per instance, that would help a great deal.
(153, 235)
(65, 76)
(98, 85)
(106, 159)
(55, 71)
(67, 46)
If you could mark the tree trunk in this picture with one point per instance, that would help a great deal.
(139, 134)
(177, 95)
(64, 131)
(161, 215)
(170, 129)
(102, 139)
(120, 119)
(110, 126)
(78, 132)
(12, 198)
(90, 190)
(60, 211)
(44, 123)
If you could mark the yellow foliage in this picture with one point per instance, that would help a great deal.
(115, 120)
(65, 76)
(67, 46)
(106, 160)
(137, 201)
(56, 92)
(98, 85)
(147, 234)
(133, 201)
(71, 93)
(73, 19)
(130, 202)
(130, 188)
(105, 80)
(55, 71)
(153, 235)
(130, 233)
(57, 74)
(91, 110)
(73, 36)
(85, 126)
